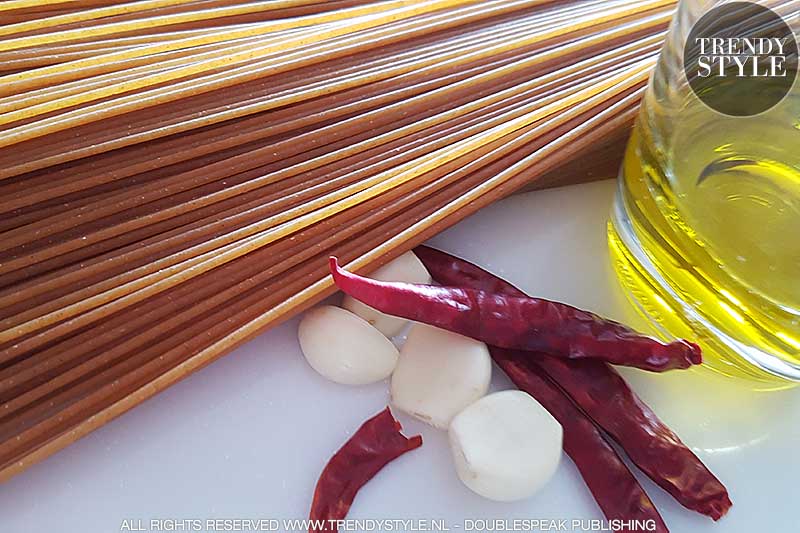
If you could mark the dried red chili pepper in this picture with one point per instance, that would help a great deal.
(375, 444)
(612, 484)
(605, 397)
(531, 324)
(602, 393)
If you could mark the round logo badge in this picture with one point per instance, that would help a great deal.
(741, 59)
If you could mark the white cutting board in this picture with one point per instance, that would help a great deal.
(248, 436)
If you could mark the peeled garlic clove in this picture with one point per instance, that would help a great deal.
(345, 348)
(405, 268)
(438, 374)
(506, 446)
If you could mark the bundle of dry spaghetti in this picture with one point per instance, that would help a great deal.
(174, 174)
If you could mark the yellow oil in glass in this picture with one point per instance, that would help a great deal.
(706, 232)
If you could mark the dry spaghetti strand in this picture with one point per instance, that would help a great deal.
(173, 174)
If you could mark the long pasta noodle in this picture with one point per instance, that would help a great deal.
(173, 174)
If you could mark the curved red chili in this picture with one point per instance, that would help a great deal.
(531, 324)
(375, 444)
(605, 397)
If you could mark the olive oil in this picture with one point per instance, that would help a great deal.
(706, 231)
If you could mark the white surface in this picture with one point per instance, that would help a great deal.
(248, 436)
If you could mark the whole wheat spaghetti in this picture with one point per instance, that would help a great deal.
(174, 174)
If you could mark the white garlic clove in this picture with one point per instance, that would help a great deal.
(505, 446)
(345, 348)
(438, 374)
(407, 268)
